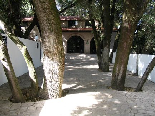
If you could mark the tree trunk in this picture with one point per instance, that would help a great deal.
(15, 16)
(133, 10)
(96, 35)
(51, 34)
(107, 36)
(145, 75)
(29, 62)
(31, 26)
(107, 20)
(114, 48)
(10, 74)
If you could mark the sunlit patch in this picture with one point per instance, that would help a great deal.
(109, 74)
(70, 66)
(135, 106)
(80, 86)
(105, 107)
(94, 74)
(108, 95)
(116, 101)
(67, 86)
(114, 109)
(90, 66)
(66, 106)
(5, 65)
(85, 112)
(92, 59)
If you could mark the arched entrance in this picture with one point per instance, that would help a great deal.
(92, 46)
(75, 44)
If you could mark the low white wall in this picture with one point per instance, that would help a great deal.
(142, 62)
(132, 63)
(17, 59)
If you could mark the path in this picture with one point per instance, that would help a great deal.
(88, 95)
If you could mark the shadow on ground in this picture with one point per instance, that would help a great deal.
(88, 95)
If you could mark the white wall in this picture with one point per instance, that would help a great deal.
(132, 63)
(17, 59)
(143, 61)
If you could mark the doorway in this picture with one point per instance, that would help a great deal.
(75, 44)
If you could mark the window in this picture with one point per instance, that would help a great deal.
(87, 24)
(72, 23)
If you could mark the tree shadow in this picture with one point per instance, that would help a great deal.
(87, 95)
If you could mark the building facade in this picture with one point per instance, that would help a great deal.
(78, 37)
(76, 33)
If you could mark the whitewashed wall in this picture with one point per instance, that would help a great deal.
(142, 62)
(132, 63)
(17, 59)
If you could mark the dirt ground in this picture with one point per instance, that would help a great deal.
(88, 94)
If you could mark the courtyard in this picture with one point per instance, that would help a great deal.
(87, 95)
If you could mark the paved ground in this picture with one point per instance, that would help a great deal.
(88, 95)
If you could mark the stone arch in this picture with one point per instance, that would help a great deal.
(76, 34)
(75, 44)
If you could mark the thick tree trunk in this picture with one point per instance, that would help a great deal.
(119, 70)
(10, 74)
(145, 75)
(29, 62)
(107, 36)
(51, 34)
(133, 10)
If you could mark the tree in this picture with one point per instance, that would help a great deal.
(30, 65)
(13, 11)
(144, 43)
(13, 19)
(51, 34)
(95, 32)
(133, 11)
(101, 12)
(73, 7)
(145, 75)
(8, 69)
(102, 33)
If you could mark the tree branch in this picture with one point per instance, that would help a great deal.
(70, 5)
(31, 26)
(67, 7)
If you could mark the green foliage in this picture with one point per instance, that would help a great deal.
(26, 9)
(144, 41)
(79, 7)
(13, 11)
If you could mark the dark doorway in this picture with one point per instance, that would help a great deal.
(92, 46)
(75, 45)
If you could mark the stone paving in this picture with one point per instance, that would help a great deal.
(88, 94)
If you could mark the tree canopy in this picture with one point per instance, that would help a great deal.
(144, 41)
